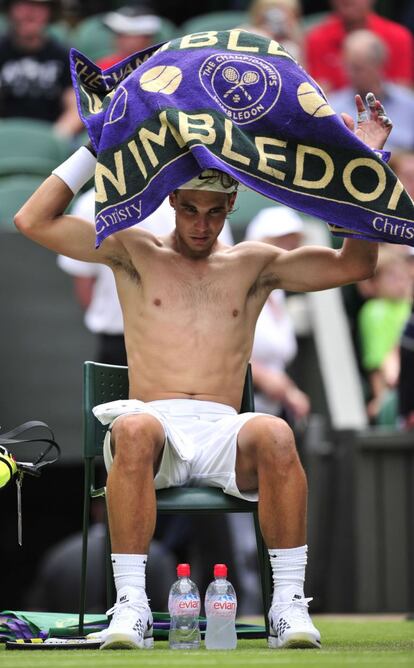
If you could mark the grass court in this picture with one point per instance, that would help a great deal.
(347, 641)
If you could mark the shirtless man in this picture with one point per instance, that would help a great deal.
(190, 305)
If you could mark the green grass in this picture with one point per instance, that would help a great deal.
(345, 643)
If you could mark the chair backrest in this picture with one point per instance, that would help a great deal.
(106, 382)
(14, 192)
(29, 146)
(222, 20)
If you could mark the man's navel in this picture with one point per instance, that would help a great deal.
(235, 313)
(157, 302)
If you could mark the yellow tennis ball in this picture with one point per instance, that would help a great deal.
(312, 102)
(7, 469)
(162, 79)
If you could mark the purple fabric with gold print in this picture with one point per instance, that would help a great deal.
(237, 102)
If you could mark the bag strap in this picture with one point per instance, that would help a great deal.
(9, 439)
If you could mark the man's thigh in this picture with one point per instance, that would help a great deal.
(215, 463)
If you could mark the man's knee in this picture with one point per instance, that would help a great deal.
(137, 436)
(272, 439)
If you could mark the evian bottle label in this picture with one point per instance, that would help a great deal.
(224, 606)
(184, 605)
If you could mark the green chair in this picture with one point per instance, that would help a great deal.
(60, 31)
(14, 191)
(29, 146)
(104, 382)
(95, 40)
(225, 20)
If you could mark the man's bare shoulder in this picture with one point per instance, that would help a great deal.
(127, 249)
(255, 249)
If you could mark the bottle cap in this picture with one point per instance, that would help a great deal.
(220, 571)
(183, 570)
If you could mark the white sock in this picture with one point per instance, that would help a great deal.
(129, 571)
(288, 567)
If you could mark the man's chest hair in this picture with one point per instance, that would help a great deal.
(228, 277)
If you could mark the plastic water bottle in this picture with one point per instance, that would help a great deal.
(220, 606)
(184, 608)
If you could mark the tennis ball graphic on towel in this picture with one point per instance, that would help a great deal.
(119, 106)
(162, 79)
(7, 469)
(312, 102)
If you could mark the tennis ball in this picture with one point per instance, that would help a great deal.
(7, 469)
(162, 79)
(312, 102)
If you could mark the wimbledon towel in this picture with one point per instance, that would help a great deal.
(238, 102)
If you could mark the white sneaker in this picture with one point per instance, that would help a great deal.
(97, 636)
(131, 626)
(291, 626)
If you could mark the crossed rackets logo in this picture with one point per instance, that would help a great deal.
(232, 76)
(245, 87)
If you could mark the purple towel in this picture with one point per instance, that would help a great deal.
(238, 102)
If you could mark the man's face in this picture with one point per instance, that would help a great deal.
(199, 219)
(363, 71)
(29, 18)
(352, 10)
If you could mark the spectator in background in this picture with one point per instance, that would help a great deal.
(405, 389)
(365, 57)
(403, 166)
(134, 26)
(381, 321)
(279, 20)
(324, 43)
(35, 79)
(275, 343)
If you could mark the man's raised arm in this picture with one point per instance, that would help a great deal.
(317, 268)
(43, 220)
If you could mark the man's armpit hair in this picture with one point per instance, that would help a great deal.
(263, 282)
(126, 266)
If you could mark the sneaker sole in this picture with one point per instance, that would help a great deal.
(296, 641)
(121, 641)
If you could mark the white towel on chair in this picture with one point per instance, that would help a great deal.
(108, 412)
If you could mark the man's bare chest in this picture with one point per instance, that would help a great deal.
(214, 289)
(209, 294)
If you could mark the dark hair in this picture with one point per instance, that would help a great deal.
(213, 175)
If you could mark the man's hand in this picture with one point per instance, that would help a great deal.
(373, 126)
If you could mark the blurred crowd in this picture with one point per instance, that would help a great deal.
(348, 47)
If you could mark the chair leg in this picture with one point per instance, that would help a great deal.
(85, 530)
(265, 571)
(110, 585)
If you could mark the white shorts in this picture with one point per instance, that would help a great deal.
(200, 441)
